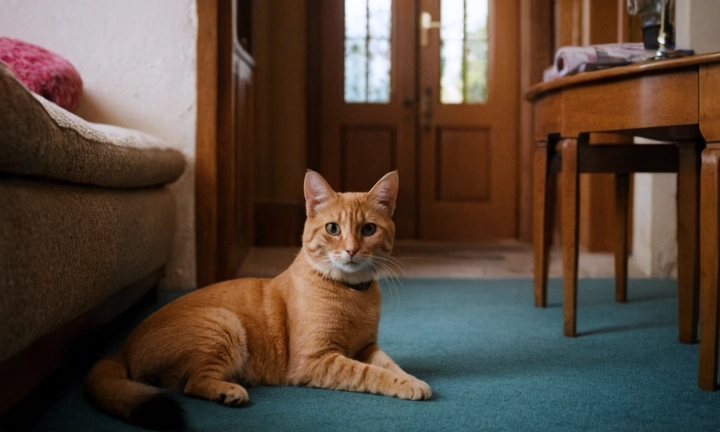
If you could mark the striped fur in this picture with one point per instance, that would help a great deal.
(306, 327)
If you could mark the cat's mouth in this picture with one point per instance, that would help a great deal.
(350, 265)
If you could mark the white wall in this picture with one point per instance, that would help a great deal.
(696, 23)
(655, 217)
(137, 59)
(654, 250)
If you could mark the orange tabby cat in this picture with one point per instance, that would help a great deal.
(313, 325)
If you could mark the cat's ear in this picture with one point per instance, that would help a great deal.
(384, 193)
(317, 191)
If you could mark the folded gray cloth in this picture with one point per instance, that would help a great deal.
(570, 60)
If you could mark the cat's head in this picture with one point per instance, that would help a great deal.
(348, 236)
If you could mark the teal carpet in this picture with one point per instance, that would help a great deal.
(493, 360)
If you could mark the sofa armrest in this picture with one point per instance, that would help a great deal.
(40, 139)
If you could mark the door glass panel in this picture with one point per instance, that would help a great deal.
(463, 51)
(355, 67)
(378, 71)
(451, 80)
(368, 28)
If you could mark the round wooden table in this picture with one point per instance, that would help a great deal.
(675, 100)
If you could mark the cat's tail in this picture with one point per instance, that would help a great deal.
(110, 389)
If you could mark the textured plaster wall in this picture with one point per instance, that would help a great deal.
(696, 24)
(655, 224)
(137, 59)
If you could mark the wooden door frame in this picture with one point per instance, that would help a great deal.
(314, 83)
(214, 141)
(536, 53)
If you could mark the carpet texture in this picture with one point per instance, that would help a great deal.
(493, 360)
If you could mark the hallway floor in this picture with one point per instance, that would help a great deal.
(421, 259)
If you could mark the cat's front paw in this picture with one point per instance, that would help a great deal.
(413, 389)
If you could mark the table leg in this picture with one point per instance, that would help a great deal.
(688, 240)
(709, 263)
(569, 230)
(622, 198)
(543, 211)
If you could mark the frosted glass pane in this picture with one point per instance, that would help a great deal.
(368, 32)
(355, 19)
(379, 71)
(476, 26)
(476, 74)
(452, 17)
(464, 51)
(355, 67)
(451, 72)
(379, 22)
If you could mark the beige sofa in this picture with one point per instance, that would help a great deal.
(86, 226)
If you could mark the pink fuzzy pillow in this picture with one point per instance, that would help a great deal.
(43, 72)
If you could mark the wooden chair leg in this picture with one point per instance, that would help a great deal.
(543, 211)
(569, 230)
(710, 267)
(688, 241)
(622, 197)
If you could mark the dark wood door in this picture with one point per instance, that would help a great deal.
(468, 135)
(436, 98)
(368, 99)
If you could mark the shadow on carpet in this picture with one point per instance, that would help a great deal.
(493, 360)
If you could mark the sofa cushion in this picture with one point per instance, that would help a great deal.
(44, 72)
(38, 138)
(68, 247)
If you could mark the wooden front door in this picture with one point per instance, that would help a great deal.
(429, 88)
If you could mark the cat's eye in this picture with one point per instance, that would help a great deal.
(368, 229)
(332, 228)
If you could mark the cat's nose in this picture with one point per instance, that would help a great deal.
(352, 253)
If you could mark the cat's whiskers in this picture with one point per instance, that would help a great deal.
(381, 269)
(390, 268)
(392, 285)
(390, 261)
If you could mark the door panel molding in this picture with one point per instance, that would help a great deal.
(368, 153)
(463, 154)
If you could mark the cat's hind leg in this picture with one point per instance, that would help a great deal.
(217, 390)
(218, 356)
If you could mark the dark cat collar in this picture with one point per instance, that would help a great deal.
(362, 286)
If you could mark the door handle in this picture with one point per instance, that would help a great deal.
(426, 24)
(426, 109)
